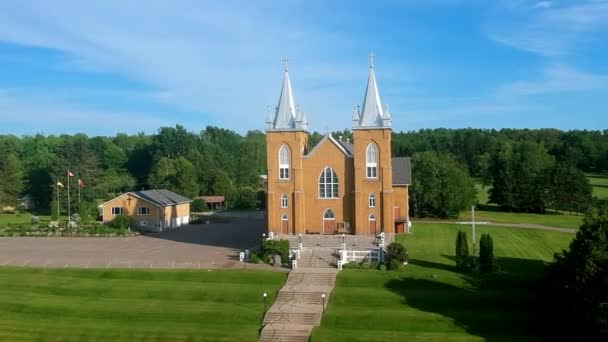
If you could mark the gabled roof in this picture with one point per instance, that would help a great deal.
(339, 144)
(212, 199)
(402, 171)
(160, 198)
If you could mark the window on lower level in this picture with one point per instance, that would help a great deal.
(372, 200)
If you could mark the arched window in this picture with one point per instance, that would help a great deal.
(284, 162)
(329, 215)
(284, 201)
(372, 200)
(371, 161)
(328, 184)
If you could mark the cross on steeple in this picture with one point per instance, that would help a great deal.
(285, 60)
(371, 59)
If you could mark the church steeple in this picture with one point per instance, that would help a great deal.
(372, 114)
(286, 115)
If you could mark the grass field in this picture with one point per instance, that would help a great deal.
(133, 305)
(24, 217)
(599, 182)
(430, 301)
(551, 219)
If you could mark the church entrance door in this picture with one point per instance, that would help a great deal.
(284, 225)
(372, 225)
(329, 222)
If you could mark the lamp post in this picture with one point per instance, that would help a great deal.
(323, 296)
(263, 237)
(265, 295)
(343, 237)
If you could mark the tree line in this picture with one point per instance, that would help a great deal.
(526, 170)
(213, 161)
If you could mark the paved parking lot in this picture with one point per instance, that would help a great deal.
(214, 245)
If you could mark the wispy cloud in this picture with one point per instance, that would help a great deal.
(549, 30)
(555, 79)
(543, 4)
(209, 60)
(50, 115)
(219, 62)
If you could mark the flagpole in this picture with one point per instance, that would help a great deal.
(58, 210)
(69, 217)
(79, 194)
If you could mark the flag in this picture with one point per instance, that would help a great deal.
(80, 183)
(70, 174)
(59, 184)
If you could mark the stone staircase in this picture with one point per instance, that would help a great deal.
(298, 306)
(317, 258)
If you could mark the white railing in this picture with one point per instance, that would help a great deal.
(359, 256)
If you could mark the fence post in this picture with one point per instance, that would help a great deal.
(294, 264)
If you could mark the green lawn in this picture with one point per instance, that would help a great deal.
(553, 219)
(133, 305)
(599, 182)
(430, 301)
(23, 217)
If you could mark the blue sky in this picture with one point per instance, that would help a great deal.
(113, 66)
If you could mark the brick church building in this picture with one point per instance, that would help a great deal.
(337, 186)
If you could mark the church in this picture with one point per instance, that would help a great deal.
(338, 186)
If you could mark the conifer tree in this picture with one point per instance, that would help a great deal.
(486, 253)
(462, 249)
(54, 210)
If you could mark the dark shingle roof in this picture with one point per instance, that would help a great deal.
(347, 146)
(161, 197)
(402, 171)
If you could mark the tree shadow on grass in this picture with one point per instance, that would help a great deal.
(503, 306)
(430, 264)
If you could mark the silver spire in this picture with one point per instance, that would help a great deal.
(372, 114)
(285, 115)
